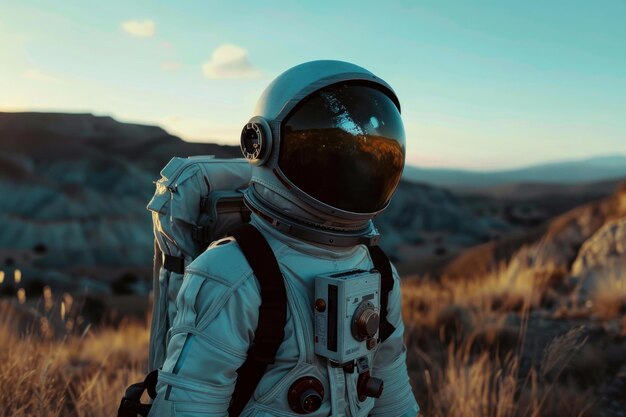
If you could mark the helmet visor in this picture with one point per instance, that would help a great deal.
(344, 145)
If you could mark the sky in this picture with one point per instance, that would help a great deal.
(483, 84)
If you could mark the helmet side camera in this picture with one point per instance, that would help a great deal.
(256, 141)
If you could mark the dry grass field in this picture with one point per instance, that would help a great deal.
(71, 375)
(519, 344)
(514, 343)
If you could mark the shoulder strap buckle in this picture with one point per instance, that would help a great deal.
(174, 263)
(201, 234)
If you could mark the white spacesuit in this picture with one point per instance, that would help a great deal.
(327, 148)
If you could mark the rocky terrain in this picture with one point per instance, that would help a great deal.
(75, 187)
(546, 323)
(555, 243)
(602, 256)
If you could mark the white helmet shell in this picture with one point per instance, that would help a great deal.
(279, 196)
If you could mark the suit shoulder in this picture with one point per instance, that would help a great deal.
(223, 261)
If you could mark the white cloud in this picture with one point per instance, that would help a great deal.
(38, 75)
(229, 61)
(140, 28)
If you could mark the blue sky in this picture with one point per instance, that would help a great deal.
(483, 84)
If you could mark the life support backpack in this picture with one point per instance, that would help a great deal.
(198, 200)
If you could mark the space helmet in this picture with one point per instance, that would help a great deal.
(327, 148)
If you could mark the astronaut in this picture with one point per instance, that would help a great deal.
(327, 146)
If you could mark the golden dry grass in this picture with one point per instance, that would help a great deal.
(465, 342)
(76, 376)
(464, 351)
(509, 288)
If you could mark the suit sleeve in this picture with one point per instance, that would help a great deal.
(207, 343)
(397, 399)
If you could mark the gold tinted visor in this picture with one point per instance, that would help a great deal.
(344, 145)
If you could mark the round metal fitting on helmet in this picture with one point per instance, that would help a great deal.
(256, 141)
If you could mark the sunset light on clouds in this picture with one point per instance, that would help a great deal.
(229, 61)
(482, 85)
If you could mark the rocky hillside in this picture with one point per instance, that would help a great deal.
(74, 189)
(602, 256)
(424, 226)
(566, 234)
(578, 240)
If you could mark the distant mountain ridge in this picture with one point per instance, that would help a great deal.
(526, 190)
(46, 136)
(564, 172)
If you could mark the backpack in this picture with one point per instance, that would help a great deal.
(198, 200)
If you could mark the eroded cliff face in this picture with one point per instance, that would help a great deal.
(602, 257)
(569, 236)
(73, 193)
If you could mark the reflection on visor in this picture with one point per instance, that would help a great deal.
(345, 147)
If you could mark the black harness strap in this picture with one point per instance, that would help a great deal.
(174, 263)
(383, 265)
(270, 330)
(131, 405)
(268, 335)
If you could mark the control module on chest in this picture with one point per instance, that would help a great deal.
(347, 314)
